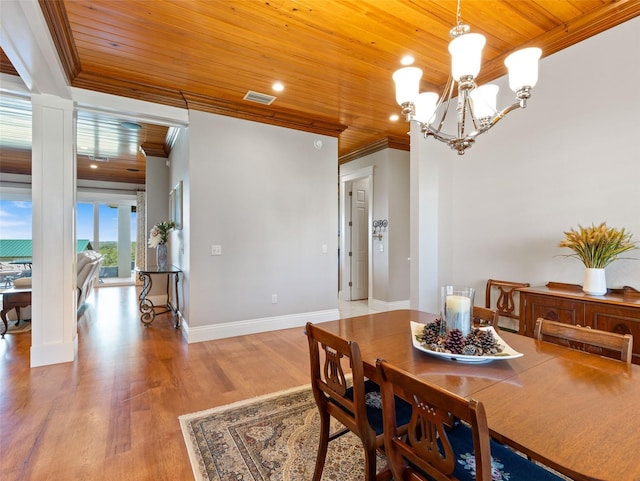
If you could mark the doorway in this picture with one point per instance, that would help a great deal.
(109, 227)
(355, 235)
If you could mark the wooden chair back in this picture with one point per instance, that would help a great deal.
(594, 341)
(483, 316)
(426, 447)
(335, 360)
(505, 301)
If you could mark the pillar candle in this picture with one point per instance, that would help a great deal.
(459, 313)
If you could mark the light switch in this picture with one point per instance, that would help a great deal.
(325, 249)
(216, 250)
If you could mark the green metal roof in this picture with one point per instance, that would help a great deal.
(21, 248)
(83, 245)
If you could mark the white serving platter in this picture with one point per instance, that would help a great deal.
(507, 352)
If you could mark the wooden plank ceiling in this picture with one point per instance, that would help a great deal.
(334, 57)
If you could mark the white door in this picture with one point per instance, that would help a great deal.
(359, 240)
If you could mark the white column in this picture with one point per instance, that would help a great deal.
(430, 212)
(96, 226)
(54, 322)
(124, 241)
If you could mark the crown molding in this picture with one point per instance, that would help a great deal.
(386, 143)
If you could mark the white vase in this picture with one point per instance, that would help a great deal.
(595, 282)
(161, 256)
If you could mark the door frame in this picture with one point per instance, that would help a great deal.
(345, 235)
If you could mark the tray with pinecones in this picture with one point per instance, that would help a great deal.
(482, 344)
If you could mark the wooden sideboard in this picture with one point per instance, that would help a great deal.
(616, 311)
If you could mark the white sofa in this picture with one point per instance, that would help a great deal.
(87, 268)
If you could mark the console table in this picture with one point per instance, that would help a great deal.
(616, 311)
(147, 308)
(14, 298)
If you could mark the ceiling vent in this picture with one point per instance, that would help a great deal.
(259, 98)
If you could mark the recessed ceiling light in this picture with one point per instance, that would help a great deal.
(394, 117)
(131, 125)
(93, 166)
(407, 60)
(278, 86)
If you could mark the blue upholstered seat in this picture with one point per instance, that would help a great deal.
(447, 436)
(373, 402)
(505, 464)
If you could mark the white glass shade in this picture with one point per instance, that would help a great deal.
(426, 104)
(466, 55)
(523, 68)
(483, 100)
(407, 81)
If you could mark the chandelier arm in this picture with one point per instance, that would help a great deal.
(448, 87)
(474, 119)
(427, 130)
(499, 116)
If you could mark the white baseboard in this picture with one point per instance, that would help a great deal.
(44, 355)
(507, 323)
(253, 326)
(388, 306)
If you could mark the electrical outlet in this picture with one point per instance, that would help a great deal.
(216, 250)
(274, 298)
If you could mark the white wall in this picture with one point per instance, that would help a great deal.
(570, 158)
(269, 198)
(390, 200)
(179, 239)
(398, 232)
(157, 188)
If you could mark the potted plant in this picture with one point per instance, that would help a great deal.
(597, 247)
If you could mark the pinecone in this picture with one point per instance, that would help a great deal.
(472, 338)
(470, 350)
(431, 332)
(454, 341)
(488, 342)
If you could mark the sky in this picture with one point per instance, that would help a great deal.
(15, 221)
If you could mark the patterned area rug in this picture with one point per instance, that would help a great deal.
(271, 438)
(23, 326)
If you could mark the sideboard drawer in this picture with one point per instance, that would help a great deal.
(553, 308)
(623, 320)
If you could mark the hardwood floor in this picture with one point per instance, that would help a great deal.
(113, 413)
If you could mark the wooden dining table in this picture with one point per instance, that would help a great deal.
(574, 412)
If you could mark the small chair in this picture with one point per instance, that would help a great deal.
(505, 301)
(447, 438)
(485, 317)
(358, 407)
(594, 341)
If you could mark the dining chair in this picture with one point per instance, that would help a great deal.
(448, 436)
(594, 341)
(353, 400)
(505, 293)
(483, 316)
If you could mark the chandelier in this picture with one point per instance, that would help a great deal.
(476, 109)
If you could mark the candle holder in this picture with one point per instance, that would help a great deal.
(456, 308)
